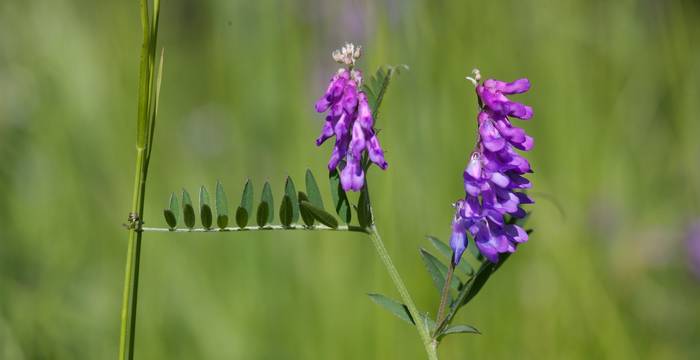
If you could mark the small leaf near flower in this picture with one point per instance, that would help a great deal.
(306, 214)
(187, 209)
(204, 208)
(395, 307)
(221, 206)
(340, 198)
(291, 192)
(312, 190)
(286, 212)
(172, 212)
(263, 213)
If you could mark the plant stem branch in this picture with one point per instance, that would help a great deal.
(133, 254)
(403, 292)
(350, 228)
(144, 140)
(445, 295)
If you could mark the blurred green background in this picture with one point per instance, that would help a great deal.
(605, 275)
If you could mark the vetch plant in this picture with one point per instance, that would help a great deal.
(490, 214)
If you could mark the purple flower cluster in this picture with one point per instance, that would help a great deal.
(493, 179)
(349, 119)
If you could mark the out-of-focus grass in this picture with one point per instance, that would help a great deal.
(615, 92)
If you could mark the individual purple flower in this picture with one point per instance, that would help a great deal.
(349, 119)
(493, 178)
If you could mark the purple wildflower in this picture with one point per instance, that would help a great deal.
(493, 179)
(349, 119)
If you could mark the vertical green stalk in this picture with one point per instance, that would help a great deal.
(403, 292)
(133, 254)
(445, 294)
(145, 127)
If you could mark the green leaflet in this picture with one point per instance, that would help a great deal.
(438, 271)
(221, 206)
(306, 214)
(172, 212)
(446, 251)
(291, 192)
(245, 209)
(321, 215)
(187, 209)
(286, 211)
(312, 190)
(340, 198)
(241, 217)
(263, 214)
(394, 307)
(267, 198)
(377, 85)
(460, 329)
(204, 208)
(364, 210)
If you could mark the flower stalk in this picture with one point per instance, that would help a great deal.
(420, 323)
(445, 293)
(146, 116)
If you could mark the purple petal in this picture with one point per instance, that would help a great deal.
(458, 241)
(350, 97)
(357, 144)
(524, 198)
(364, 112)
(486, 247)
(339, 151)
(518, 181)
(516, 87)
(490, 137)
(526, 145)
(510, 132)
(376, 154)
(326, 133)
(322, 104)
(500, 179)
(516, 233)
(474, 167)
(518, 110)
(342, 126)
(520, 213)
(352, 177)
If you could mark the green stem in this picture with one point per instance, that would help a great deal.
(350, 228)
(428, 343)
(445, 294)
(133, 253)
(144, 140)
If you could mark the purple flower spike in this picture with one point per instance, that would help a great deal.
(493, 178)
(349, 119)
